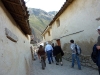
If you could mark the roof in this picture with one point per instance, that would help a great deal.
(63, 8)
(18, 11)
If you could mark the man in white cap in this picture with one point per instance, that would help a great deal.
(98, 40)
(49, 50)
(98, 48)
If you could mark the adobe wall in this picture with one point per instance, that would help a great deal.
(15, 53)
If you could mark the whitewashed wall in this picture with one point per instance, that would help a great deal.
(15, 57)
(47, 37)
(81, 16)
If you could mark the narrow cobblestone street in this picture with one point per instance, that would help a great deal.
(53, 69)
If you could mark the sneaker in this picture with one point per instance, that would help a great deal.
(49, 62)
(43, 68)
(80, 69)
(61, 63)
(52, 61)
(57, 64)
(72, 66)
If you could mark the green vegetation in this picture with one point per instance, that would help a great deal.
(38, 20)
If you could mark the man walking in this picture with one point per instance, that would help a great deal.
(57, 52)
(74, 55)
(98, 48)
(42, 56)
(49, 50)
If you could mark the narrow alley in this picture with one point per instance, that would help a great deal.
(53, 69)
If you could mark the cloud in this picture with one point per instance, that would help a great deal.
(47, 5)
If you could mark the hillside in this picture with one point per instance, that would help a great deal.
(38, 20)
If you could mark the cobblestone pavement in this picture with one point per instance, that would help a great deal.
(53, 69)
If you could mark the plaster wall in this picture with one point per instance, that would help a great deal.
(46, 35)
(78, 22)
(15, 57)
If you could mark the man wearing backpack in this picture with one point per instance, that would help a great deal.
(74, 55)
(98, 48)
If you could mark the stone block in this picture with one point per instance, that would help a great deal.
(10, 35)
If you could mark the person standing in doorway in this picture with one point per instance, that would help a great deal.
(74, 55)
(49, 50)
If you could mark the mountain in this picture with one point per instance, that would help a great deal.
(38, 20)
(53, 13)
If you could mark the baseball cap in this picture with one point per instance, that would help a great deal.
(98, 28)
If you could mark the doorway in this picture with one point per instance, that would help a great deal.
(58, 42)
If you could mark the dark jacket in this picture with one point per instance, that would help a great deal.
(57, 50)
(41, 51)
(96, 54)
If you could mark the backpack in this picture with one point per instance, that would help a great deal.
(78, 49)
(94, 54)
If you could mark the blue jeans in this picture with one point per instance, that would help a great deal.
(74, 56)
(99, 70)
(49, 55)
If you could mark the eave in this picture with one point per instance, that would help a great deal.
(19, 12)
(63, 8)
(46, 30)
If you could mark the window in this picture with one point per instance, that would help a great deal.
(49, 33)
(58, 22)
(44, 36)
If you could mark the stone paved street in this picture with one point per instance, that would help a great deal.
(53, 69)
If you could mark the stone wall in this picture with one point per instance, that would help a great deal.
(85, 60)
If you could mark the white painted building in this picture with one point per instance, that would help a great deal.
(78, 20)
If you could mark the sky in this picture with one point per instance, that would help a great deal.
(46, 5)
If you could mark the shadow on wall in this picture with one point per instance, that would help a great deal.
(66, 47)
